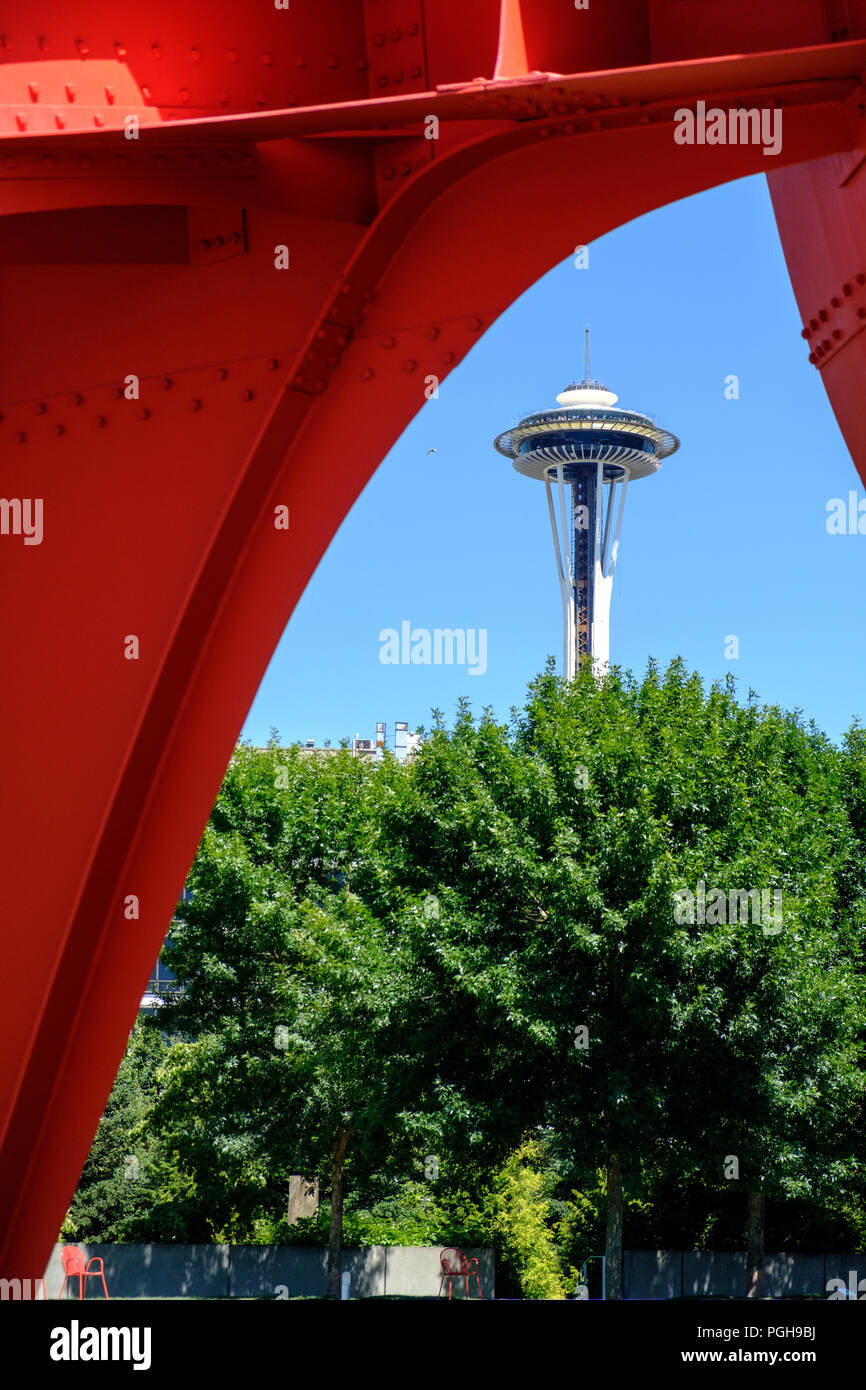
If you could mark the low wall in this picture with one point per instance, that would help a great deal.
(695, 1274)
(377, 1271)
(264, 1271)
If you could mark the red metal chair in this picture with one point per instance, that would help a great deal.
(74, 1267)
(456, 1265)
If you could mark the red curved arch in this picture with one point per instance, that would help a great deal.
(254, 385)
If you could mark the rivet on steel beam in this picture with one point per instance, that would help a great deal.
(236, 238)
(44, 45)
(261, 99)
(333, 360)
(341, 341)
(412, 30)
(836, 303)
(184, 95)
(194, 55)
(233, 55)
(97, 119)
(397, 76)
(813, 323)
(415, 71)
(378, 40)
(268, 59)
(847, 290)
(404, 168)
(320, 333)
(396, 35)
(33, 89)
(346, 289)
(59, 120)
(40, 409)
(861, 313)
(363, 64)
(569, 129)
(247, 395)
(273, 363)
(389, 342)
(597, 124)
(5, 43)
(826, 344)
(475, 324)
(224, 98)
(823, 315)
(120, 51)
(382, 81)
(410, 364)
(83, 50)
(145, 92)
(432, 333)
(78, 399)
(48, 161)
(805, 332)
(9, 162)
(448, 358)
(160, 161)
(812, 357)
(366, 374)
(117, 392)
(300, 62)
(110, 94)
(20, 437)
(319, 385)
(21, 121)
(156, 50)
(837, 334)
(389, 172)
(101, 422)
(195, 405)
(332, 61)
(71, 91)
(167, 383)
(299, 379)
(58, 430)
(222, 373)
(861, 278)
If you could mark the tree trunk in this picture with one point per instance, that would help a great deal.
(335, 1238)
(755, 1249)
(613, 1251)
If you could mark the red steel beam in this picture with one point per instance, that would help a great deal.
(166, 386)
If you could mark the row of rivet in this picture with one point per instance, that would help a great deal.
(821, 347)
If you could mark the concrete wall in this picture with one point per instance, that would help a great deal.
(290, 1271)
(263, 1271)
(695, 1274)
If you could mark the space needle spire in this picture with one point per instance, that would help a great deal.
(586, 453)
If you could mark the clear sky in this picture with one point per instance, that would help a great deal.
(728, 539)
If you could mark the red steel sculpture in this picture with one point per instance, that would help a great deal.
(237, 242)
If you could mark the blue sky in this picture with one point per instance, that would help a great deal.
(729, 538)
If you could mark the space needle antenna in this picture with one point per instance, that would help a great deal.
(586, 357)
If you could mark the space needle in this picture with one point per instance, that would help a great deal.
(587, 450)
